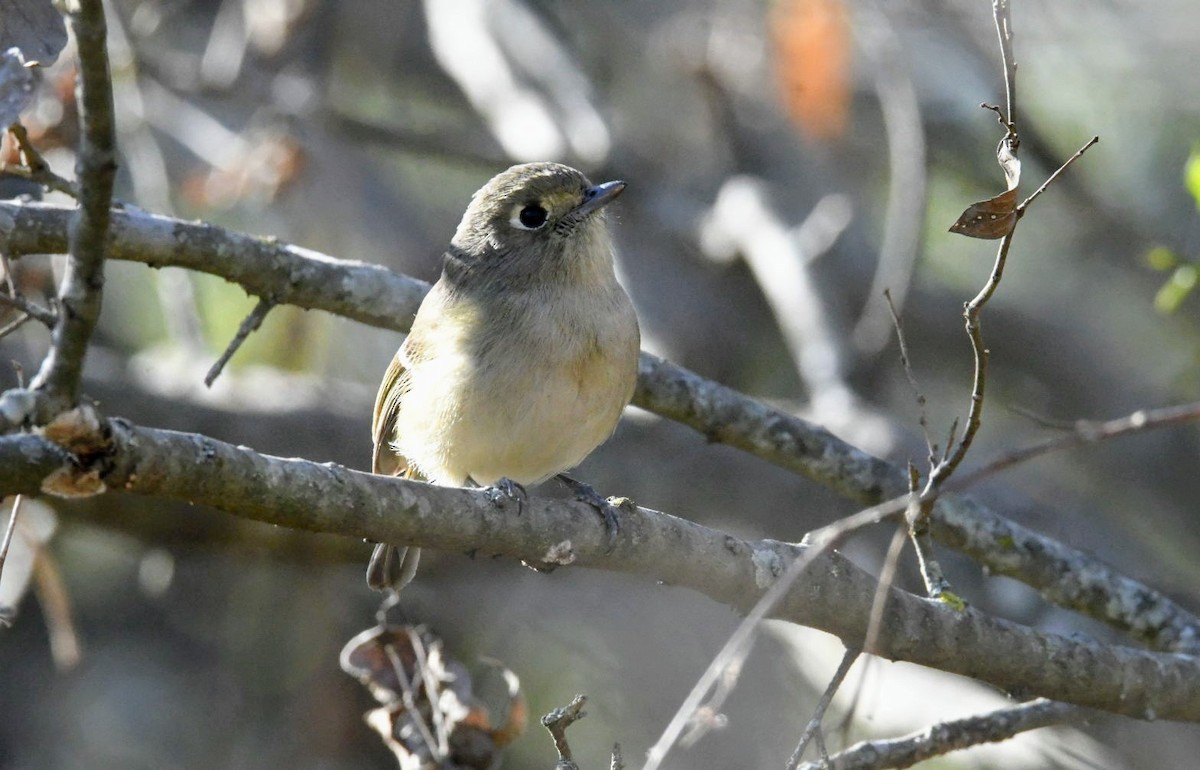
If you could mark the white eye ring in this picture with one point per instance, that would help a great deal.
(529, 216)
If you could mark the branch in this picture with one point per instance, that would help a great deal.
(376, 296)
(292, 275)
(835, 595)
(82, 286)
(944, 738)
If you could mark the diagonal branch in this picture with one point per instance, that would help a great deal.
(376, 296)
(80, 295)
(834, 595)
(993, 727)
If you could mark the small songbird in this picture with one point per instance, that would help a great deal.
(523, 355)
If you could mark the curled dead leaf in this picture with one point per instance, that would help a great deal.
(79, 431)
(430, 712)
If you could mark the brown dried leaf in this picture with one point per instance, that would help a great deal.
(79, 431)
(421, 688)
(990, 219)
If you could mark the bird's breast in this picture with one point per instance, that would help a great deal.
(527, 393)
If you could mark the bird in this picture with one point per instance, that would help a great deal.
(520, 359)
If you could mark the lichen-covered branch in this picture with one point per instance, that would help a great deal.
(833, 594)
(946, 737)
(376, 296)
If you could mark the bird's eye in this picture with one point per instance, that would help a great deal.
(529, 217)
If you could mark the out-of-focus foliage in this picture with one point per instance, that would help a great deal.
(1184, 272)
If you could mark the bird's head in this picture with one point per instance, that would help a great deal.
(536, 221)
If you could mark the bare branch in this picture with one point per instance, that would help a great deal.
(30, 309)
(9, 530)
(264, 267)
(814, 724)
(1050, 179)
(1003, 20)
(82, 286)
(959, 734)
(378, 297)
(834, 596)
(36, 169)
(1085, 432)
(557, 722)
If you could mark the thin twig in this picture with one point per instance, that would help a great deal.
(887, 577)
(82, 286)
(906, 364)
(946, 737)
(15, 299)
(1003, 18)
(31, 309)
(249, 325)
(36, 169)
(9, 531)
(618, 762)
(1085, 432)
(814, 724)
(557, 722)
(734, 651)
(972, 315)
(15, 324)
(1078, 154)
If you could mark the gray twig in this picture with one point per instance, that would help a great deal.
(82, 286)
(557, 722)
(248, 326)
(10, 530)
(951, 736)
(814, 724)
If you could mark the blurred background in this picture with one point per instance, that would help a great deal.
(786, 162)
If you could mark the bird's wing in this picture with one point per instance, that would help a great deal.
(384, 459)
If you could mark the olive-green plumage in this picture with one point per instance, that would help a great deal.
(523, 355)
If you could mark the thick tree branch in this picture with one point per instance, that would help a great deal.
(80, 295)
(834, 596)
(378, 297)
(292, 275)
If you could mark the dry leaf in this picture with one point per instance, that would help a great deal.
(990, 219)
(812, 62)
(430, 713)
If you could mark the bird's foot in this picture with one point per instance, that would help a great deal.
(505, 490)
(585, 494)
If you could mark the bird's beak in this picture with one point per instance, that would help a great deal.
(597, 197)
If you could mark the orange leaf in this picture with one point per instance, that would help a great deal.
(812, 63)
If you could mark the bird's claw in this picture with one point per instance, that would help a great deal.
(585, 494)
(506, 490)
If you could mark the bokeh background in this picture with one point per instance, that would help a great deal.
(786, 162)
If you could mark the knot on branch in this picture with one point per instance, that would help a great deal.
(87, 437)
